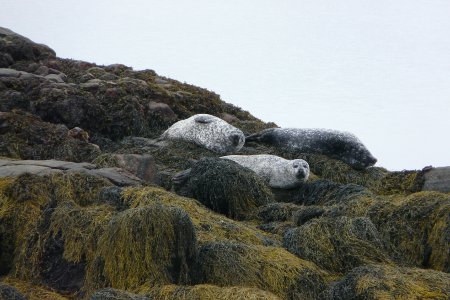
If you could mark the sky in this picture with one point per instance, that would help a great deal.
(379, 69)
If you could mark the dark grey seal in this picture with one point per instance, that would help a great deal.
(339, 145)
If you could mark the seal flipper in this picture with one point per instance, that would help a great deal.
(262, 136)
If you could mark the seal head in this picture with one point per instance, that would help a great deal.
(207, 131)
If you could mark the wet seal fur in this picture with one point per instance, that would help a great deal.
(276, 171)
(339, 145)
(207, 131)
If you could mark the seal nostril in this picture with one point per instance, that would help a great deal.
(235, 139)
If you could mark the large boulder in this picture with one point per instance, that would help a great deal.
(389, 282)
(336, 244)
(227, 188)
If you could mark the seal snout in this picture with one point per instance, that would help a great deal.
(236, 139)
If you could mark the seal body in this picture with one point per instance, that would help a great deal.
(276, 171)
(207, 131)
(339, 145)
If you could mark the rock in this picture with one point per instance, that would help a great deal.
(22, 48)
(162, 111)
(269, 268)
(5, 60)
(141, 165)
(337, 244)
(42, 71)
(437, 179)
(10, 293)
(114, 294)
(306, 213)
(54, 77)
(389, 282)
(117, 176)
(79, 134)
(25, 136)
(12, 168)
(229, 118)
(225, 187)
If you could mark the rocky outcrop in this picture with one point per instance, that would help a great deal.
(14, 168)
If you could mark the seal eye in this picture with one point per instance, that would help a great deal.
(295, 166)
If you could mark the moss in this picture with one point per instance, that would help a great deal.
(148, 245)
(416, 229)
(389, 282)
(28, 137)
(268, 268)
(306, 213)
(227, 188)
(32, 291)
(209, 226)
(336, 244)
(207, 291)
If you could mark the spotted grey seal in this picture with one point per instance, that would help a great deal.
(339, 145)
(207, 131)
(276, 171)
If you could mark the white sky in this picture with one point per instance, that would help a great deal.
(379, 68)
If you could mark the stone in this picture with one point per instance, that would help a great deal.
(54, 77)
(141, 165)
(163, 111)
(114, 294)
(437, 179)
(8, 292)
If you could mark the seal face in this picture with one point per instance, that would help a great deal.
(207, 131)
(276, 171)
(339, 145)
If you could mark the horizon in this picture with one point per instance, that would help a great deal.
(379, 70)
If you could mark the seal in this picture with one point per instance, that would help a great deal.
(335, 144)
(207, 131)
(278, 172)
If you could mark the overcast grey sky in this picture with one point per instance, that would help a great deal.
(379, 68)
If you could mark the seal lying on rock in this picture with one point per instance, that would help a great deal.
(207, 131)
(339, 145)
(276, 171)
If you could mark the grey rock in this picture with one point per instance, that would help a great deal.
(437, 179)
(12, 168)
(141, 165)
(54, 77)
(8, 292)
(117, 176)
(114, 294)
(12, 171)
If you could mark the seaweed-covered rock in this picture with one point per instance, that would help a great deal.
(18, 47)
(227, 188)
(415, 229)
(320, 192)
(336, 244)
(277, 211)
(51, 229)
(208, 291)
(209, 226)
(268, 268)
(306, 213)
(437, 179)
(146, 245)
(27, 137)
(114, 294)
(389, 282)
(9, 293)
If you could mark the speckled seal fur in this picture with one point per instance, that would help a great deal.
(339, 145)
(207, 131)
(276, 171)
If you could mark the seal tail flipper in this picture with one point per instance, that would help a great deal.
(259, 136)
